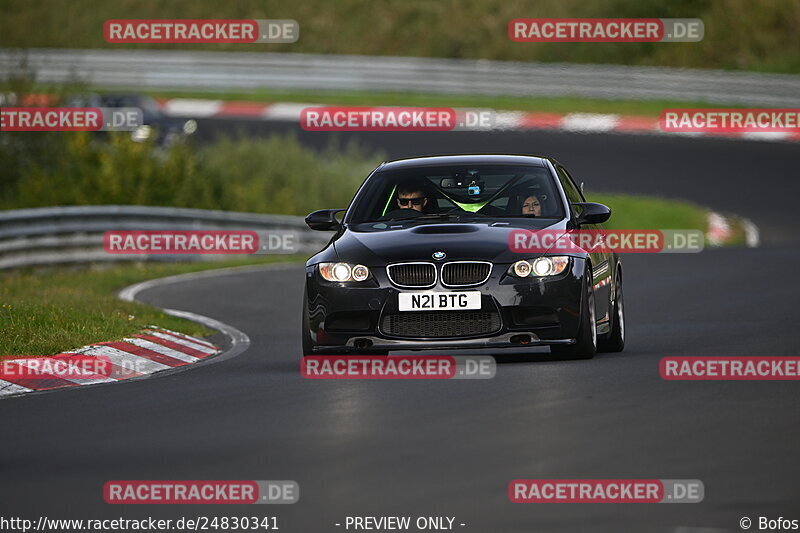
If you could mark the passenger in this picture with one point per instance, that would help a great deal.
(532, 206)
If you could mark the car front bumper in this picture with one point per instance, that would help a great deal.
(529, 312)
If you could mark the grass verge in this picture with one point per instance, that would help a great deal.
(647, 212)
(48, 311)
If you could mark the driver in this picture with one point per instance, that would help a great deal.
(410, 196)
(532, 205)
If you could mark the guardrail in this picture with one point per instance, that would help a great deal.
(74, 234)
(219, 71)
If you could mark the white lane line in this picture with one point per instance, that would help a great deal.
(128, 361)
(128, 294)
(239, 340)
(183, 342)
(154, 347)
(7, 388)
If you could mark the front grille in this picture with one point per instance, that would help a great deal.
(412, 274)
(459, 273)
(441, 324)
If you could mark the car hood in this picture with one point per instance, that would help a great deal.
(488, 241)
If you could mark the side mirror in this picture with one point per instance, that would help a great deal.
(592, 213)
(324, 220)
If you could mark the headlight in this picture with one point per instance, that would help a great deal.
(522, 269)
(340, 272)
(541, 267)
(360, 273)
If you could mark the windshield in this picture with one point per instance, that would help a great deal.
(458, 192)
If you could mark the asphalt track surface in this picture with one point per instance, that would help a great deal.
(420, 448)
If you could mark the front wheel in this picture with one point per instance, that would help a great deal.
(586, 342)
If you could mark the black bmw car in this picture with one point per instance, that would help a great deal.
(421, 260)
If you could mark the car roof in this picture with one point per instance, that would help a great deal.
(465, 159)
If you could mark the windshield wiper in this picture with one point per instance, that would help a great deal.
(411, 218)
(438, 216)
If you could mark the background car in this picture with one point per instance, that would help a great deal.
(156, 126)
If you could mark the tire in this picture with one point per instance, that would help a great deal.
(586, 342)
(615, 340)
(308, 344)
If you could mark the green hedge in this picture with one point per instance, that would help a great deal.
(272, 175)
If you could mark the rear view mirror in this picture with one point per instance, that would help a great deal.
(591, 213)
(324, 220)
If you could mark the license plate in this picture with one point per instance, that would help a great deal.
(438, 301)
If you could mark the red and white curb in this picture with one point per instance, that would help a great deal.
(153, 350)
(504, 120)
(720, 231)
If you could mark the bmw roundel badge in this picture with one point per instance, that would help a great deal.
(439, 255)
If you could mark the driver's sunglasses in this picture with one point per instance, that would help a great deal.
(417, 200)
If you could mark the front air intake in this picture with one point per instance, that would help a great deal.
(441, 324)
(412, 275)
(465, 273)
